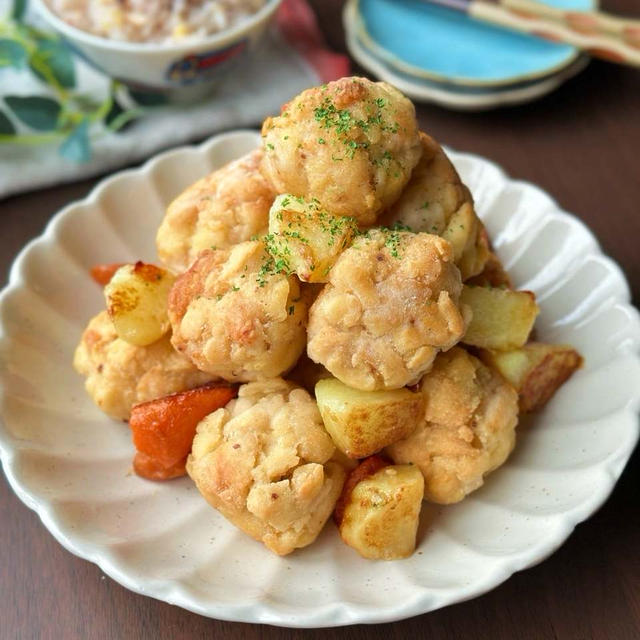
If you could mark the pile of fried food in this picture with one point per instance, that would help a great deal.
(330, 332)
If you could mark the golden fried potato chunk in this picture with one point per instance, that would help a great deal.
(536, 370)
(363, 422)
(226, 207)
(265, 462)
(351, 144)
(501, 318)
(468, 431)
(379, 509)
(305, 239)
(436, 201)
(391, 304)
(136, 298)
(120, 375)
(234, 316)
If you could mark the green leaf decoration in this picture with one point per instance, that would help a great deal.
(34, 33)
(118, 118)
(53, 58)
(76, 145)
(18, 9)
(63, 113)
(86, 103)
(115, 113)
(35, 111)
(148, 99)
(12, 54)
(6, 126)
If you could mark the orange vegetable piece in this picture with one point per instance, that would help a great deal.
(102, 273)
(148, 468)
(163, 429)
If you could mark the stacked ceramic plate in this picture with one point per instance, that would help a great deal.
(438, 55)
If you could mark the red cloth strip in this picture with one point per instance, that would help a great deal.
(298, 25)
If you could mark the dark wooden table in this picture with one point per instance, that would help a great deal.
(581, 144)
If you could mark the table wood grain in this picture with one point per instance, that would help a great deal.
(581, 144)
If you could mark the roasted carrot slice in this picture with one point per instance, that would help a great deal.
(149, 468)
(102, 273)
(163, 429)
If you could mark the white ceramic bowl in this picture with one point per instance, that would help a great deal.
(183, 69)
(72, 464)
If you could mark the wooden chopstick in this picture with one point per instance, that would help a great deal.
(587, 22)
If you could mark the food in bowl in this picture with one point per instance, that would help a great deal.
(120, 374)
(468, 429)
(391, 304)
(184, 68)
(234, 322)
(223, 209)
(351, 145)
(154, 20)
(418, 360)
(267, 464)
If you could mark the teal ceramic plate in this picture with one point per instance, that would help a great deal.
(458, 97)
(433, 43)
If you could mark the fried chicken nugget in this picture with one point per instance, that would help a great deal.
(436, 201)
(120, 375)
(226, 207)
(391, 304)
(264, 462)
(469, 429)
(351, 144)
(235, 317)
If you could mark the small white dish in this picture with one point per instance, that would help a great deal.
(185, 69)
(72, 465)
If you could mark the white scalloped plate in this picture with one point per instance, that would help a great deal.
(69, 463)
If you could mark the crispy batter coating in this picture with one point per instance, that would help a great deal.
(226, 207)
(436, 201)
(235, 317)
(120, 374)
(469, 428)
(391, 304)
(264, 461)
(351, 144)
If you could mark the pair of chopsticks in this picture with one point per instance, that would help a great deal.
(598, 34)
